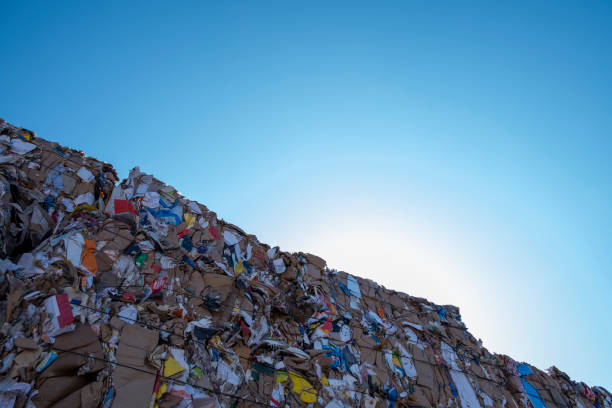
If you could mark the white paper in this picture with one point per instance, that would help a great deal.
(151, 200)
(226, 374)
(194, 207)
(464, 389)
(68, 203)
(231, 237)
(353, 286)
(129, 314)
(87, 198)
(416, 326)
(74, 248)
(21, 147)
(279, 265)
(406, 359)
(85, 175)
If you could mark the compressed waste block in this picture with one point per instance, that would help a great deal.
(127, 294)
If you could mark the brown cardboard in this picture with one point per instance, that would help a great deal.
(196, 282)
(223, 284)
(24, 343)
(426, 376)
(56, 388)
(116, 234)
(69, 183)
(88, 396)
(81, 341)
(133, 386)
(316, 261)
(12, 300)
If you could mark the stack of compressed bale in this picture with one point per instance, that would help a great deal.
(128, 294)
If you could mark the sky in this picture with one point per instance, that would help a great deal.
(458, 151)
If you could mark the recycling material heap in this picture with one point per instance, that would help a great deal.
(127, 294)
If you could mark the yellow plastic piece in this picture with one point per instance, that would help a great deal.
(190, 219)
(281, 376)
(239, 268)
(303, 388)
(171, 367)
(162, 390)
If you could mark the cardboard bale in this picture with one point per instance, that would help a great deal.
(141, 276)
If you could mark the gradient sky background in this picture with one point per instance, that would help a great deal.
(459, 152)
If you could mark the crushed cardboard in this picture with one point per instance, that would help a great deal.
(126, 294)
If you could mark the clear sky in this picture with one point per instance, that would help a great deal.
(456, 151)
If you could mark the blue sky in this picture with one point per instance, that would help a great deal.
(459, 152)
